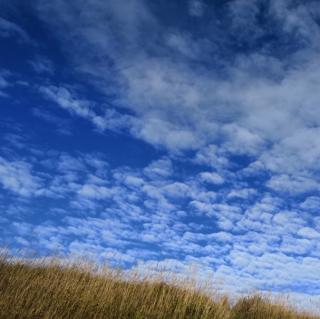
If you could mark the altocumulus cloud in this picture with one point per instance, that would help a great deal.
(216, 108)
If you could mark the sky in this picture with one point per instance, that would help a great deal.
(173, 133)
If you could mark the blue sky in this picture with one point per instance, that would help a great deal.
(165, 133)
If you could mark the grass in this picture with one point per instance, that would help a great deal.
(50, 290)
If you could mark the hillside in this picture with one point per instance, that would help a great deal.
(52, 291)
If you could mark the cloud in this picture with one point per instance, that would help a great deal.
(113, 214)
(42, 65)
(185, 44)
(243, 193)
(308, 232)
(161, 168)
(311, 204)
(211, 178)
(10, 29)
(109, 119)
(196, 8)
(17, 177)
(64, 98)
(3, 82)
(96, 192)
(293, 184)
(212, 157)
(253, 108)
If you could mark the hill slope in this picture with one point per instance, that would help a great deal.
(51, 291)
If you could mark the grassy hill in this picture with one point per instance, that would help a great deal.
(52, 291)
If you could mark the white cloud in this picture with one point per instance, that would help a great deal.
(96, 192)
(250, 246)
(66, 100)
(311, 204)
(254, 109)
(109, 119)
(243, 193)
(211, 178)
(211, 156)
(176, 190)
(307, 232)
(293, 184)
(298, 19)
(182, 107)
(17, 177)
(161, 168)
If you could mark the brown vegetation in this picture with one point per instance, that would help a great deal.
(55, 291)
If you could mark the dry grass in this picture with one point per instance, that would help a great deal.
(52, 291)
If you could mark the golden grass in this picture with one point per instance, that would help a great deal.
(56, 291)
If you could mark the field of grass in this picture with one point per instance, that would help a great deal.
(56, 291)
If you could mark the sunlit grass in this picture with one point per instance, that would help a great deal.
(55, 290)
